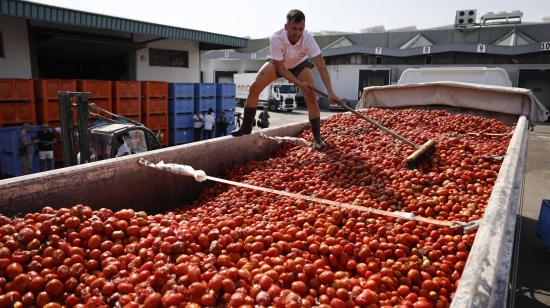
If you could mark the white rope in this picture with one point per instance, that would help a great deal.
(291, 140)
(200, 176)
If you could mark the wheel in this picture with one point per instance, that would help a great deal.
(272, 107)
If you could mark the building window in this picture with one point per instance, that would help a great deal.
(378, 59)
(1, 46)
(168, 58)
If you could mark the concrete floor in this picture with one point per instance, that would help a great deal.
(533, 264)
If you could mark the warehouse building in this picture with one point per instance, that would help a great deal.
(357, 60)
(42, 41)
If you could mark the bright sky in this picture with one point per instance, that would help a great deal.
(260, 18)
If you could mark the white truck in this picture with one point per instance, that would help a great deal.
(279, 95)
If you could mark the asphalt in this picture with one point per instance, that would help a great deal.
(532, 283)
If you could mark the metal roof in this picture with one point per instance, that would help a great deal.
(389, 43)
(53, 14)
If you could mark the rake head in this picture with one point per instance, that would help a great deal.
(422, 154)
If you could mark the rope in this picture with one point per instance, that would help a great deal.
(403, 215)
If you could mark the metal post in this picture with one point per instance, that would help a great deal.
(66, 116)
(84, 137)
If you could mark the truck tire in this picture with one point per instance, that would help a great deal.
(272, 106)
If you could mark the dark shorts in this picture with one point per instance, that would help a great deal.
(298, 68)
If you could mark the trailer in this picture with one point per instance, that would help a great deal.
(121, 183)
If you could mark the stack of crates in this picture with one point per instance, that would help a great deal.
(10, 160)
(225, 103)
(205, 98)
(47, 106)
(180, 108)
(17, 105)
(101, 93)
(127, 99)
(154, 108)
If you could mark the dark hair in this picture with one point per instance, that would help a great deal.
(210, 110)
(295, 16)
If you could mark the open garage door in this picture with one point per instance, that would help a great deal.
(369, 78)
(74, 55)
(538, 81)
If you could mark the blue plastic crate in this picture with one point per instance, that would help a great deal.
(204, 103)
(176, 121)
(205, 90)
(230, 116)
(181, 136)
(9, 138)
(543, 225)
(225, 103)
(226, 90)
(181, 90)
(11, 164)
(181, 105)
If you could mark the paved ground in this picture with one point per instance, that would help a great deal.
(533, 269)
(282, 118)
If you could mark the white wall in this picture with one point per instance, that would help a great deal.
(16, 62)
(169, 74)
(209, 67)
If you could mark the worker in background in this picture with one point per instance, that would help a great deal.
(123, 148)
(46, 140)
(291, 48)
(26, 148)
(263, 121)
(197, 126)
(209, 121)
(222, 124)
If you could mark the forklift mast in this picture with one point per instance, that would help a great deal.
(69, 136)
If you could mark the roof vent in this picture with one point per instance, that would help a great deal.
(513, 17)
(465, 17)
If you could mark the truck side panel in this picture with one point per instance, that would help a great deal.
(123, 183)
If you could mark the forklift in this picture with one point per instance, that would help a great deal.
(83, 142)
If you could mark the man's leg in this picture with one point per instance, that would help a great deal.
(266, 75)
(313, 108)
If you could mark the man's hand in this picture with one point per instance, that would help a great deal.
(335, 99)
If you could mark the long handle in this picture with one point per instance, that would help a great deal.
(371, 121)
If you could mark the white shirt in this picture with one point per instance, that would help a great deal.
(282, 49)
(197, 124)
(123, 150)
(209, 121)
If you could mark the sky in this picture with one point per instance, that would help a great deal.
(260, 18)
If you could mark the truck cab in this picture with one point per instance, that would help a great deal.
(284, 96)
(278, 95)
(104, 145)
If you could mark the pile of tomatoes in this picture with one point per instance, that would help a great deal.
(234, 246)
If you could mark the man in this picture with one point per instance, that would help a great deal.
(123, 148)
(26, 148)
(197, 126)
(209, 121)
(222, 124)
(290, 49)
(263, 121)
(46, 140)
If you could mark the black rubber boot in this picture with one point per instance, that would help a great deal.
(318, 143)
(248, 120)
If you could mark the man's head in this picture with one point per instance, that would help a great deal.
(45, 127)
(295, 25)
(26, 127)
(210, 110)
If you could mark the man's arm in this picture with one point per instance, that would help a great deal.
(319, 61)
